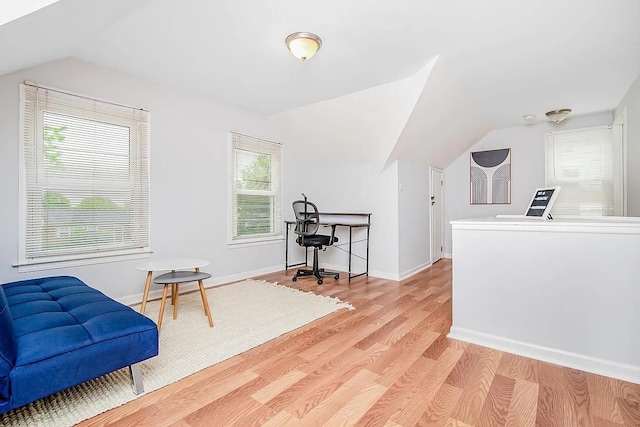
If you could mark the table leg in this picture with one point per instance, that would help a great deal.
(205, 302)
(146, 292)
(203, 294)
(164, 300)
(173, 292)
(175, 305)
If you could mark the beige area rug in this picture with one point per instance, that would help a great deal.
(245, 315)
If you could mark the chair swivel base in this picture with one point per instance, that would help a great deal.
(317, 274)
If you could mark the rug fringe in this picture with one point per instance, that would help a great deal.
(334, 300)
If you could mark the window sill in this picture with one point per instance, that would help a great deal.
(90, 259)
(255, 242)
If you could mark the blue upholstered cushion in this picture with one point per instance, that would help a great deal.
(57, 315)
(7, 346)
(64, 333)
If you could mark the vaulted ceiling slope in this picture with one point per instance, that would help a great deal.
(363, 126)
(443, 123)
(11, 10)
(511, 57)
(427, 119)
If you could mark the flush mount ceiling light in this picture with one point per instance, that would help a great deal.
(529, 118)
(558, 115)
(303, 45)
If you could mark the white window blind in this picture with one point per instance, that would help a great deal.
(85, 176)
(581, 162)
(256, 189)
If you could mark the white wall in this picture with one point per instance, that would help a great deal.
(188, 175)
(346, 185)
(413, 217)
(335, 152)
(527, 169)
(631, 102)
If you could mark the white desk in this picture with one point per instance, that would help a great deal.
(167, 264)
(358, 220)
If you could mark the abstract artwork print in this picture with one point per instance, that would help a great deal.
(490, 177)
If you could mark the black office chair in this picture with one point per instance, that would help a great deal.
(307, 225)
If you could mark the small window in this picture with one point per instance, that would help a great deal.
(583, 162)
(256, 189)
(85, 180)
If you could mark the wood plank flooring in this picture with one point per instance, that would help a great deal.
(388, 363)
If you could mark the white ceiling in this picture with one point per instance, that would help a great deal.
(10, 10)
(512, 57)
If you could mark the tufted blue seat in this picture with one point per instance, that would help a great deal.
(57, 332)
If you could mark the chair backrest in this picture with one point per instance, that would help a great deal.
(307, 218)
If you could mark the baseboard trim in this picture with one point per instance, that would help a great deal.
(385, 275)
(546, 354)
(415, 270)
(344, 268)
(448, 256)
(213, 281)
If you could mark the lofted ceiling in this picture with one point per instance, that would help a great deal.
(511, 57)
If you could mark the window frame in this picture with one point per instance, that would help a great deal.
(138, 152)
(270, 148)
(618, 159)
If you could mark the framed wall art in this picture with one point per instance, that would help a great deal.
(490, 177)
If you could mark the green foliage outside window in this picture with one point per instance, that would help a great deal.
(55, 200)
(97, 203)
(50, 136)
(254, 211)
(257, 176)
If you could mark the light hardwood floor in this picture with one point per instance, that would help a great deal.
(386, 363)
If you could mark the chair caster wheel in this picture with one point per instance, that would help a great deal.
(337, 276)
(319, 281)
(294, 278)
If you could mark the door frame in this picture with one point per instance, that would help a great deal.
(432, 243)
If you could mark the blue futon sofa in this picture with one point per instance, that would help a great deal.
(57, 332)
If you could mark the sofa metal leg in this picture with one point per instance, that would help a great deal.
(136, 378)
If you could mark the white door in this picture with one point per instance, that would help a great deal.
(437, 214)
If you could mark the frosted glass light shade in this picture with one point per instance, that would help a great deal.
(303, 45)
(558, 115)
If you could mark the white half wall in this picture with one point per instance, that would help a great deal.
(189, 151)
(562, 291)
(527, 169)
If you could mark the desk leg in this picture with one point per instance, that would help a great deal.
(286, 252)
(350, 238)
(147, 285)
(368, 228)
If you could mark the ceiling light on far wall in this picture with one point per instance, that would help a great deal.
(529, 118)
(558, 115)
(303, 45)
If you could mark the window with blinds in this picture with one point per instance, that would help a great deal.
(583, 163)
(256, 189)
(85, 177)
